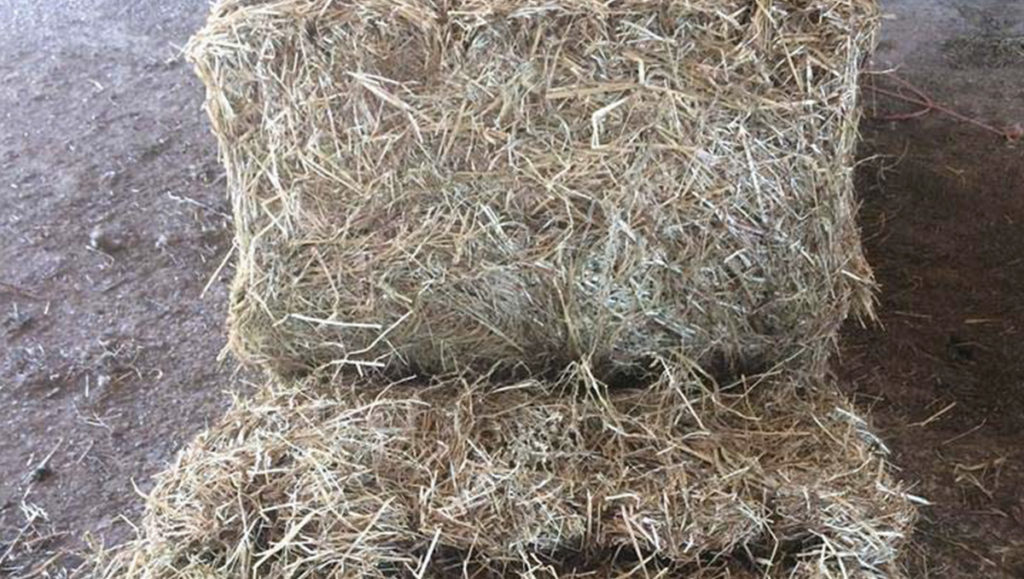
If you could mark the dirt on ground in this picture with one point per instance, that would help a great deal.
(114, 220)
(943, 219)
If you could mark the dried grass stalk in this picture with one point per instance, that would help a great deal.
(457, 478)
(434, 184)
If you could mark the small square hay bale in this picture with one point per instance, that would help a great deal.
(429, 185)
(528, 479)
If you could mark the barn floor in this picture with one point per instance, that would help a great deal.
(114, 220)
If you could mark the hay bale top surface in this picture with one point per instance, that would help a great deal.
(528, 479)
(432, 185)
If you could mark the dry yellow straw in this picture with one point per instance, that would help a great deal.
(428, 185)
(460, 478)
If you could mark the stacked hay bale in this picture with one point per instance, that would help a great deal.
(530, 201)
(430, 185)
(466, 478)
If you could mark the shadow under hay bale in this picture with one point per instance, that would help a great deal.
(528, 479)
(435, 185)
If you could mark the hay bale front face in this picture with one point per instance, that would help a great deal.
(522, 480)
(429, 185)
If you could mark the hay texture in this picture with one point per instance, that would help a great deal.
(436, 184)
(459, 479)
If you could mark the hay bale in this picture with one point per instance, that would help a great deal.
(528, 480)
(430, 185)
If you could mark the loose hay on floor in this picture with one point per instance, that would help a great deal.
(428, 185)
(529, 480)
